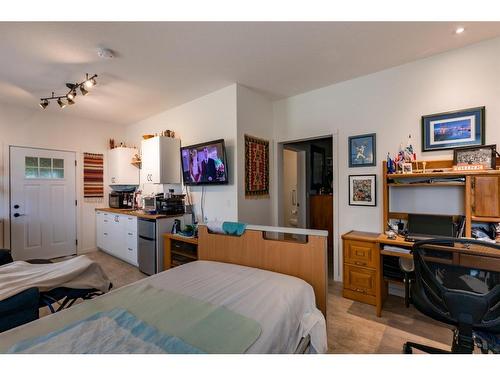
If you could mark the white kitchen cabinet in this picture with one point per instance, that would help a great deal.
(161, 161)
(117, 235)
(121, 171)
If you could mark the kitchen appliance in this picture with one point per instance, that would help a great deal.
(173, 205)
(149, 204)
(146, 249)
(121, 199)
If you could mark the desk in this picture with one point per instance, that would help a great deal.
(363, 277)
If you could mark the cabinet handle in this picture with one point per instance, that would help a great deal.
(130, 234)
(105, 221)
(130, 249)
(105, 234)
(360, 263)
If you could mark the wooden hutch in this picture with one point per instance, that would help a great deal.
(363, 252)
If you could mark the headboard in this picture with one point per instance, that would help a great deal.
(307, 261)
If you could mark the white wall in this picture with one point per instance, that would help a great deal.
(391, 104)
(210, 117)
(255, 118)
(20, 126)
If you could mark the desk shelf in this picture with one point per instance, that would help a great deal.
(426, 184)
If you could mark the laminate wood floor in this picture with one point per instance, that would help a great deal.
(353, 327)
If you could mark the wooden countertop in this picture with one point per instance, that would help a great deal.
(138, 213)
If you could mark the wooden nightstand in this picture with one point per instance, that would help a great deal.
(178, 250)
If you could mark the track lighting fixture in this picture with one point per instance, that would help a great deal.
(44, 103)
(69, 98)
(61, 103)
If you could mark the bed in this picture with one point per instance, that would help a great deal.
(248, 294)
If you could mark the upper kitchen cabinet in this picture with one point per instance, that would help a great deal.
(121, 171)
(161, 161)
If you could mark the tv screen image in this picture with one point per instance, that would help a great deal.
(204, 163)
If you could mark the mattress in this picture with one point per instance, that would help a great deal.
(282, 305)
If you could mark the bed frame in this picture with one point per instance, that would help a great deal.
(305, 260)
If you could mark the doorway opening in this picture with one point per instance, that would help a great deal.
(306, 188)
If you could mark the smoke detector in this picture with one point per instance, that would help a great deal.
(105, 53)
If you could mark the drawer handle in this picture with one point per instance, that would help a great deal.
(105, 234)
(129, 249)
(130, 234)
(360, 263)
(105, 221)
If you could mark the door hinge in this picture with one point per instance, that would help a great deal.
(76, 242)
(75, 163)
(76, 202)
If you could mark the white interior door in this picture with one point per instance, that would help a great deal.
(42, 203)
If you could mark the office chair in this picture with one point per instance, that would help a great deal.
(455, 295)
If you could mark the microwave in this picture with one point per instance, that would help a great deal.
(120, 199)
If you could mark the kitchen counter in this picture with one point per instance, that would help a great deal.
(138, 213)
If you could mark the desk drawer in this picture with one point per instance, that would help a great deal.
(358, 279)
(360, 253)
(480, 262)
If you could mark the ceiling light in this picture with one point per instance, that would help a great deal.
(61, 103)
(44, 103)
(459, 30)
(68, 99)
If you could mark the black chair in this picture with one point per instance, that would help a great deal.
(462, 297)
(19, 309)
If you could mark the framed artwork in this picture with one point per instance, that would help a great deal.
(485, 156)
(362, 150)
(363, 190)
(449, 130)
(256, 167)
(407, 168)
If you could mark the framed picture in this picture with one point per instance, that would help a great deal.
(476, 155)
(449, 130)
(362, 150)
(363, 190)
(407, 168)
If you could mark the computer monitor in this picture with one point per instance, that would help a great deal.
(431, 226)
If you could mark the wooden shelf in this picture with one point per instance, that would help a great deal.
(486, 219)
(184, 254)
(445, 173)
(434, 184)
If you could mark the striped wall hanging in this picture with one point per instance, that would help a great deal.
(93, 175)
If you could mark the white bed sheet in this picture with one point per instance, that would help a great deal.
(283, 305)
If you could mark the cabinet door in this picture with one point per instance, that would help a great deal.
(485, 196)
(99, 229)
(150, 161)
(113, 167)
(106, 231)
(170, 161)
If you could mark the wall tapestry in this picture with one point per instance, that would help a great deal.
(256, 167)
(93, 172)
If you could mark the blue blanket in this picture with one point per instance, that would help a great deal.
(111, 332)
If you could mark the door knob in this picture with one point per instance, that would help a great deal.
(16, 206)
(18, 214)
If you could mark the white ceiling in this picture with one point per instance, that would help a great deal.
(161, 65)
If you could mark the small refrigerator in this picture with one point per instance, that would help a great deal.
(146, 251)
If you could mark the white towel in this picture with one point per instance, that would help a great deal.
(215, 226)
(79, 273)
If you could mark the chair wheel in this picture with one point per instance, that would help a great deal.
(407, 349)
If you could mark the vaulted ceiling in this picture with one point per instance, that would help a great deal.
(159, 65)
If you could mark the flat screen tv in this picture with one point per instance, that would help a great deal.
(204, 163)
